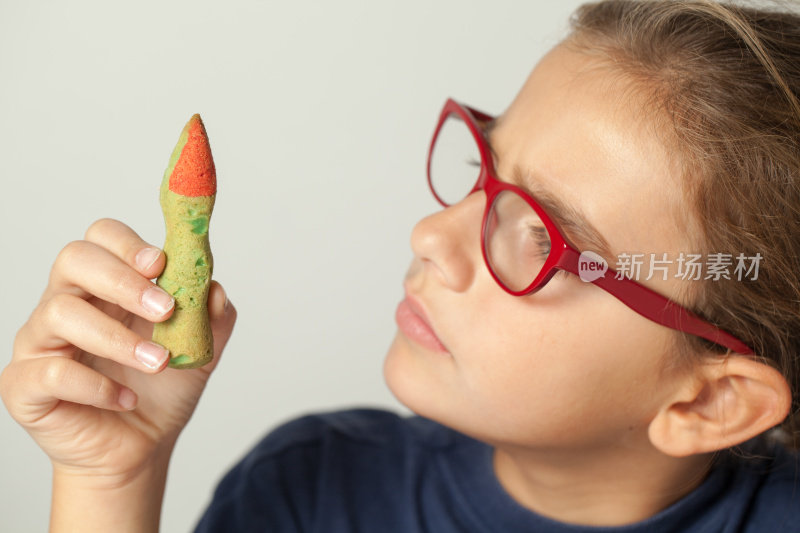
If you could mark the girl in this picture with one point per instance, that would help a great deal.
(599, 330)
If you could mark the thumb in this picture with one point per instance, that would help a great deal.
(222, 314)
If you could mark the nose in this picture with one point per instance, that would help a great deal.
(448, 242)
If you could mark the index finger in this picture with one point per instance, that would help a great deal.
(122, 242)
(119, 239)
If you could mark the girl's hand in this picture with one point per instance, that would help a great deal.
(84, 380)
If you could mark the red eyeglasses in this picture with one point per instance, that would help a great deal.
(521, 245)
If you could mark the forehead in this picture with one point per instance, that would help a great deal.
(579, 131)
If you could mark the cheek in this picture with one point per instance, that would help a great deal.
(562, 366)
(572, 365)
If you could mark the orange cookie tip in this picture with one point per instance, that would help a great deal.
(195, 118)
(194, 173)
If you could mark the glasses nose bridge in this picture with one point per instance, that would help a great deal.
(481, 181)
(474, 204)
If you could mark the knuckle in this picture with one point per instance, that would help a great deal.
(9, 389)
(69, 254)
(104, 392)
(19, 339)
(53, 373)
(98, 227)
(56, 309)
(124, 282)
(119, 339)
(4, 383)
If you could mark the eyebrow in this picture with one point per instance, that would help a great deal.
(569, 218)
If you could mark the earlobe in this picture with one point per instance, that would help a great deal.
(728, 401)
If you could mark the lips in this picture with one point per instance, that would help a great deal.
(413, 322)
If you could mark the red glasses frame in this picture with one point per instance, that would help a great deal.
(564, 256)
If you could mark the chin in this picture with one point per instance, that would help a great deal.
(397, 374)
(407, 378)
(419, 386)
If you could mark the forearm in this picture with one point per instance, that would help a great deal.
(87, 504)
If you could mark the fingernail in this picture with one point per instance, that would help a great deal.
(225, 294)
(126, 399)
(146, 257)
(157, 301)
(150, 354)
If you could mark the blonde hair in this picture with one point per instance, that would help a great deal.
(726, 78)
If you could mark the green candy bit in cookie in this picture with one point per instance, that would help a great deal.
(199, 225)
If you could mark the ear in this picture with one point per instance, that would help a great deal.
(725, 402)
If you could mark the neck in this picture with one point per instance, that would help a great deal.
(598, 488)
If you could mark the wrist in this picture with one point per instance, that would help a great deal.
(88, 501)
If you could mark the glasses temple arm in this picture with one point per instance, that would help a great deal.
(660, 309)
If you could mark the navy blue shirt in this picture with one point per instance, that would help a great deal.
(373, 471)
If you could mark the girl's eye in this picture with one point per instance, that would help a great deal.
(540, 241)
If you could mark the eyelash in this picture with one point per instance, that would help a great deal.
(544, 242)
(541, 238)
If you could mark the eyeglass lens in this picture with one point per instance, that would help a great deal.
(515, 238)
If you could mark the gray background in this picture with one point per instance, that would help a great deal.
(319, 116)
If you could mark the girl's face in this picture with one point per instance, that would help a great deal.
(570, 365)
